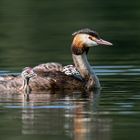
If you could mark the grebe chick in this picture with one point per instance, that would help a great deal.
(70, 70)
(27, 74)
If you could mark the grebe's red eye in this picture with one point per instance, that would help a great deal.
(92, 38)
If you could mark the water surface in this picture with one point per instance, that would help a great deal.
(112, 113)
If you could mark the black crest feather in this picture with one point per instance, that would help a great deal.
(86, 31)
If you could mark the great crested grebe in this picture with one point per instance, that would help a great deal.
(51, 76)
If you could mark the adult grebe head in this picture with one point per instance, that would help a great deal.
(85, 38)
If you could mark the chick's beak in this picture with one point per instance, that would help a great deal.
(103, 42)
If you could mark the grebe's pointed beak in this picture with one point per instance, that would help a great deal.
(103, 42)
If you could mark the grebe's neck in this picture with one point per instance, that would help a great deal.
(86, 71)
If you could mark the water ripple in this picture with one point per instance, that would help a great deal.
(42, 107)
(117, 70)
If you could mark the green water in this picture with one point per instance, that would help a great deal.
(34, 32)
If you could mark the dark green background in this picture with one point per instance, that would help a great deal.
(33, 32)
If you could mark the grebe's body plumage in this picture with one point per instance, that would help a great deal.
(51, 76)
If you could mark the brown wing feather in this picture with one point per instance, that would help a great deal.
(56, 80)
(10, 83)
(44, 68)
